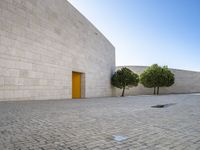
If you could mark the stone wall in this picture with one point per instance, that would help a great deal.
(185, 82)
(42, 42)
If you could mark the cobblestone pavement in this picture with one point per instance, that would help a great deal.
(90, 124)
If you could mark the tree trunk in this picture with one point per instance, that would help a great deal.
(154, 92)
(158, 90)
(123, 92)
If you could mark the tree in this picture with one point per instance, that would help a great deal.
(149, 76)
(169, 78)
(123, 78)
(156, 77)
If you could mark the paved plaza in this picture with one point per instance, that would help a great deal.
(91, 124)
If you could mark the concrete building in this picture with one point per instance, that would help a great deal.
(48, 50)
(185, 82)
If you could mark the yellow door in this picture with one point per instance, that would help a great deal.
(76, 85)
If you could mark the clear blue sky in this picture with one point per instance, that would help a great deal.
(145, 32)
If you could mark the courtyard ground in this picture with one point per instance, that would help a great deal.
(90, 124)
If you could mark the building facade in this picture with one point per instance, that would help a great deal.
(48, 50)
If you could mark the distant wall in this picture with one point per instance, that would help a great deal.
(185, 82)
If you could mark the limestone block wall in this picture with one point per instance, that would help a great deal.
(185, 82)
(42, 42)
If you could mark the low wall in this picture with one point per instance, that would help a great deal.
(185, 82)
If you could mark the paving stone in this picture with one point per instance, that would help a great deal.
(90, 124)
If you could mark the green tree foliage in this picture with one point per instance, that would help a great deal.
(124, 78)
(156, 77)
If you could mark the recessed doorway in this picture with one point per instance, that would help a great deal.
(76, 85)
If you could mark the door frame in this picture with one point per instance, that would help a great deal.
(82, 84)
